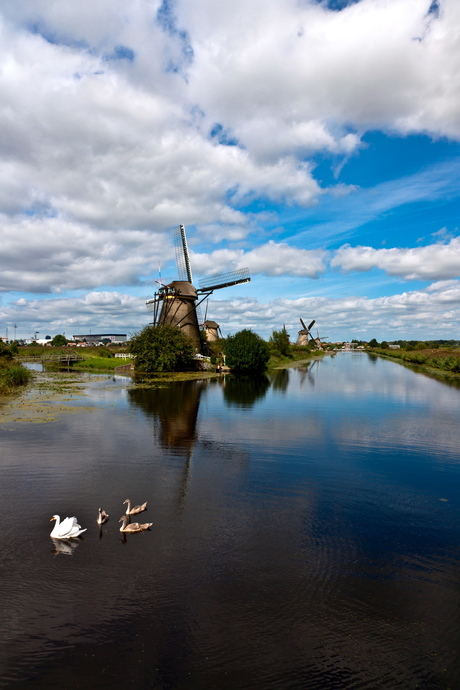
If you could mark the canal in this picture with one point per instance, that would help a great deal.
(305, 533)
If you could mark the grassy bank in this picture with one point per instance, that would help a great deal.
(12, 377)
(93, 363)
(445, 360)
(276, 360)
(95, 358)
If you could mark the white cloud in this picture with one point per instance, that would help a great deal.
(109, 137)
(306, 73)
(273, 259)
(419, 314)
(96, 310)
(51, 255)
(433, 262)
(82, 137)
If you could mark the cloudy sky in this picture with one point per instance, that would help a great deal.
(316, 143)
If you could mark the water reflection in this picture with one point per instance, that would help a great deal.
(295, 545)
(175, 409)
(65, 547)
(33, 366)
(280, 380)
(307, 372)
(245, 391)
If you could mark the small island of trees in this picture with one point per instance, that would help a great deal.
(164, 348)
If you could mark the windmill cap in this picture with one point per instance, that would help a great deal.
(183, 288)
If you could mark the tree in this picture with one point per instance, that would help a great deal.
(246, 351)
(279, 340)
(373, 343)
(161, 348)
(59, 341)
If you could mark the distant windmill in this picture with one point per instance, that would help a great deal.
(305, 333)
(318, 340)
(177, 303)
(212, 331)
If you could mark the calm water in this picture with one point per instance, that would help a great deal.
(306, 535)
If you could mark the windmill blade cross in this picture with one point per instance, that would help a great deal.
(312, 324)
(303, 324)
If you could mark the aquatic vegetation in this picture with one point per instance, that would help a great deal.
(12, 376)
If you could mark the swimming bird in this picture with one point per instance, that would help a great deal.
(134, 526)
(67, 529)
(102, 517)
(136, 509)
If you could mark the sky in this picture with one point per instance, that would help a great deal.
(316, 143)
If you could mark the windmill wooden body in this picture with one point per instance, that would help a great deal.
(212, 331)
(178, 303)
(304, 334)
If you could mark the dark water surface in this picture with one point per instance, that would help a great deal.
(306, 535)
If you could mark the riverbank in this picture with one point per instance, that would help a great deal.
(296, 357)
(445, 362)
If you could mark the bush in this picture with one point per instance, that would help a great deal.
(162, 348)
(246, 351)
(216, 351)
(5, 352)
(104, 352)
(59, 341)
(279, 342)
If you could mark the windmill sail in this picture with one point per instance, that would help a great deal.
(182, 257)
(222, 280)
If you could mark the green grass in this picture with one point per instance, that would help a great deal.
(442, 360)
(12, 377)
(99, 363)
(296, 355)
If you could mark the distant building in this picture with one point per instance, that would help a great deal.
(94, 338)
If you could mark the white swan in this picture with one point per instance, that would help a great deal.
(136, 509)
(66, 529)
(102, 517)
(134, 526)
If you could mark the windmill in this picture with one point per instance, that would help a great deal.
(305, 333)
(177, 304)
(318, 340)
(212, 331)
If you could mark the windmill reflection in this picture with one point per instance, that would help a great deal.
(174, 410)
(307, 372)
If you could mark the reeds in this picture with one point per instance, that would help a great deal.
(12, 376)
